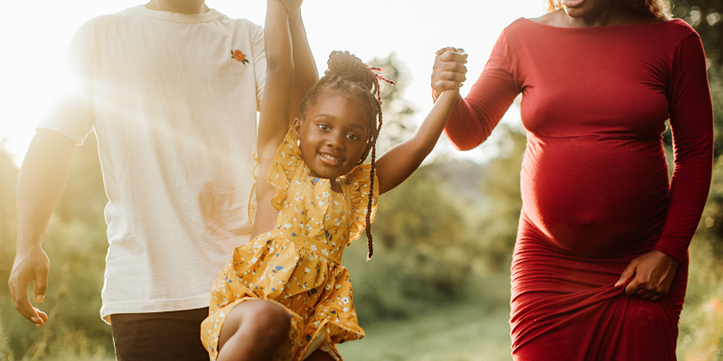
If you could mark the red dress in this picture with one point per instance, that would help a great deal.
(594, 178)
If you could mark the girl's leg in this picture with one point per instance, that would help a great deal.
(253, 330)
(319, 355)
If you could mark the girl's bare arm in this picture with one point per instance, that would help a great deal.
(401, 161)
(305, 72)
(275, 107)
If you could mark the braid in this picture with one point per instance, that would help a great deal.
(370, 239)
(349, 76)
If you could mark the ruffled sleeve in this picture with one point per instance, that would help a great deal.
(357, 183)
(253, 203)
(286, 166)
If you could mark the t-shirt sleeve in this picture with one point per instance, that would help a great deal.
(691, 120)
(259, 56)
(474, 117)
(73, 113)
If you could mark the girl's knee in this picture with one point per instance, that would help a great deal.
(257, 320)
(270, 319)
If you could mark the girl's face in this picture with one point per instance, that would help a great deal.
(333, 135)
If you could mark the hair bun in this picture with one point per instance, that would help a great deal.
(347, 66)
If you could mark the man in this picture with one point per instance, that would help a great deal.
(171, 89)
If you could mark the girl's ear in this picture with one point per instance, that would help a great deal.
(297, 127)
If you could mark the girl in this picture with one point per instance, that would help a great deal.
(284, 295)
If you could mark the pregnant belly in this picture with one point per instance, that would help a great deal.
(595, 196)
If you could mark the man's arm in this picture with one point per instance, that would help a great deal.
(40, 184)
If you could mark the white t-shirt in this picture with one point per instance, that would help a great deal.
(175, 116)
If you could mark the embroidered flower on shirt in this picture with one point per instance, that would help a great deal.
(239, 56)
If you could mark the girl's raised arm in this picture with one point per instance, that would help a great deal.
(275, 108)
(305, 72)
(401, 161)
(276, 105)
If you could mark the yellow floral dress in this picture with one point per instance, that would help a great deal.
(297, 264)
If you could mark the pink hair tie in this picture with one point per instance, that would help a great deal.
(374, 71)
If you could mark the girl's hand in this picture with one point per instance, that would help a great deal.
(652, 274)
(449, 71)
(292, 6)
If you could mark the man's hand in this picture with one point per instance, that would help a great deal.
(31, 265)
(449, 71)
(652, 274)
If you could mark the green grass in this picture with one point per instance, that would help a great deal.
(475, 328)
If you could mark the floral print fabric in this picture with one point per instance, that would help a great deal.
(297, 264)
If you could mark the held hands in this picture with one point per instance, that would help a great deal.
(652, 274)
(293, 7)
(449, 71)
(30, 265)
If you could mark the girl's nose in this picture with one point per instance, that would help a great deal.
(336, 140)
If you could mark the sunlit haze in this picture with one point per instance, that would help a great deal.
(36, 35)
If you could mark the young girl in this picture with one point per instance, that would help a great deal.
(284, 295)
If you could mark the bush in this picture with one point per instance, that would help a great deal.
(420, 256)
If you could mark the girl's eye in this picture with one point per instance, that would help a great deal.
(352, 136)
(324, 127)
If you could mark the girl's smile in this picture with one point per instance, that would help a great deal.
(333, 135)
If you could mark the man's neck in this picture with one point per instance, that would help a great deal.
(179, 6)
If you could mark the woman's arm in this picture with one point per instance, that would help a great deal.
(474, 117)
(691, 120)
(401, 161)
(275, 108)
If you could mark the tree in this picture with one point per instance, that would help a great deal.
(398, 113)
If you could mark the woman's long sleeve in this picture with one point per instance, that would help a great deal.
(474, 117)
(691, 120)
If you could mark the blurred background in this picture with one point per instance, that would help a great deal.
(438, 286)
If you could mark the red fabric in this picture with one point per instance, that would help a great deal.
(594, 179)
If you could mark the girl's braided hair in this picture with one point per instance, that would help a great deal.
(348, 76)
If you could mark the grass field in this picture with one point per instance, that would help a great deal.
(473, 329)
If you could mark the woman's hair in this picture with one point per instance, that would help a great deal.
(658, 8)
(349, 77)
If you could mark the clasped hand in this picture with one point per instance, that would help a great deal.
(651, 275)
(292, 6)
(449, 70)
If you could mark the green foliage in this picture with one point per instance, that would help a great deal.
(420, 258)
(8, 178)
(701, 324)
(706, 16)
(501, 189)
(397, 112)
(473, 328)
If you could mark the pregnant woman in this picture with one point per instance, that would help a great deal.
(600, 265)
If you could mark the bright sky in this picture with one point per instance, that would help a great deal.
(35, 36)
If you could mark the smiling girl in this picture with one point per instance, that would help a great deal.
(284, 295)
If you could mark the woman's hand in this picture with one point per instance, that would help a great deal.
(652, 274)
(449, 71)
